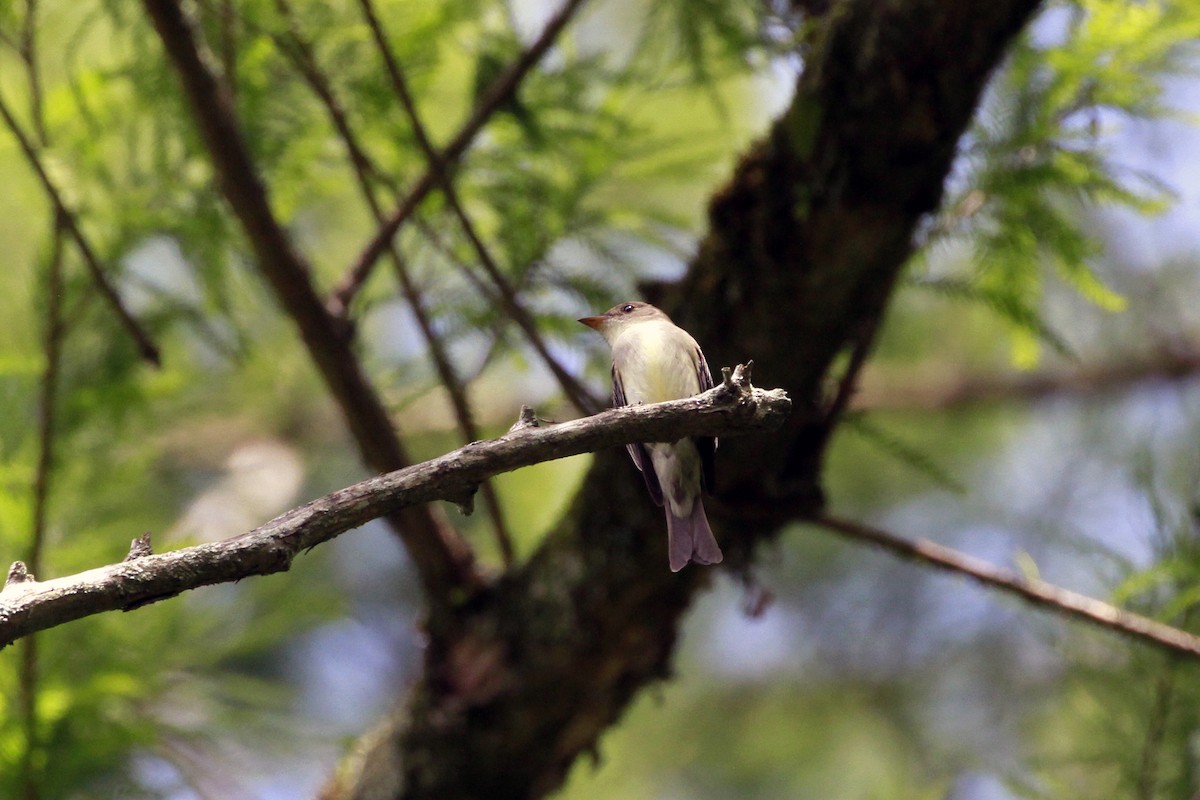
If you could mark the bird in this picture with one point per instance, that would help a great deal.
(654, 360)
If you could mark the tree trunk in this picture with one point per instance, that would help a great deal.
(802, 255)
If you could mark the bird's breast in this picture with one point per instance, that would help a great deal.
(656, 362)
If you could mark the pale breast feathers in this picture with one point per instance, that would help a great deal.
(658, 363)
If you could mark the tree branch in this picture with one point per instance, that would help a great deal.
(28, 605)
(1072, 605)
(579, 396)
(1168, 364)
(300, 50)
(145, 346)
(807, 239)
(29, 675)
(52, 339)
(443, 559)
(500, 93)
(803, 248)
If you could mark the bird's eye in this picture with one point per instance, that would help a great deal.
(627, 309)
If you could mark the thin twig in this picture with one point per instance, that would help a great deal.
(442, 558)
(30, 672)
(510, 303)
(1032, 590)
(1160, 711)
(146, 347)
(28, 709)
(27, 606)
(47, 394)
(1156, 731)
(434, 237)
(500, 93)
(28, 51)
(1167, 364)
(226, 23)
(229, 46)
(301, 52)
(53, 325)
(47, 428)
(848, 383)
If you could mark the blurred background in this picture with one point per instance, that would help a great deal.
(1032, 400)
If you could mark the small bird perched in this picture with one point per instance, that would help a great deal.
(654, 361)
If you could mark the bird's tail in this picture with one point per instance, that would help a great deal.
(690, 539)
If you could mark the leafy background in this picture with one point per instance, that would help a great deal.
(1031, 401)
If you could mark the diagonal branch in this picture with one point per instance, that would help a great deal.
(300, 51)
(1165, 365)
(27, 605)
(847, 384)
(442, 558)
(579, 396)
(1072, 605)
(146, 347)
(803, 246)
(500, 93)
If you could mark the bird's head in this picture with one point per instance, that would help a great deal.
(611, 323)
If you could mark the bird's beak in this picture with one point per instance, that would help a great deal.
(593, 322)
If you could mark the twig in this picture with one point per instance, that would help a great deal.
(145, 346)
(575, 391)
(1168, 364)
(47, 394)
(581, 397)
(305, 61)
(500, 93)
(47, 427)
(28, 51)
(434, 237)
(1032, 590)
(1156, 731)
(1160, 711)
(27, 605)
(226, 23)
(30, 673)
(229, 49)
(848, 383)
(443, 560)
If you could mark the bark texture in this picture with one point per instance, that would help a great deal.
(28, 605)
(804, 247)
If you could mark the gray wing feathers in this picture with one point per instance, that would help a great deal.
(706, 445)
(702, 372)
(638, 452)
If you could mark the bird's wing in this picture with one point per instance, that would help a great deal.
(707, 445)
(706, 381)
(638, 452)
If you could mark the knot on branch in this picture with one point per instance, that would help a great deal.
(738, 377)
(140, 547)
(18, 573)
(769, 407)
(526, 419)
(464, 500)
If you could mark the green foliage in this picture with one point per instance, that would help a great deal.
(1040, 153)
(793, 738)
(705, 38)
(1128, 729)
(1005, 301)
(907, 454)
(591, 178)
(587, 160)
